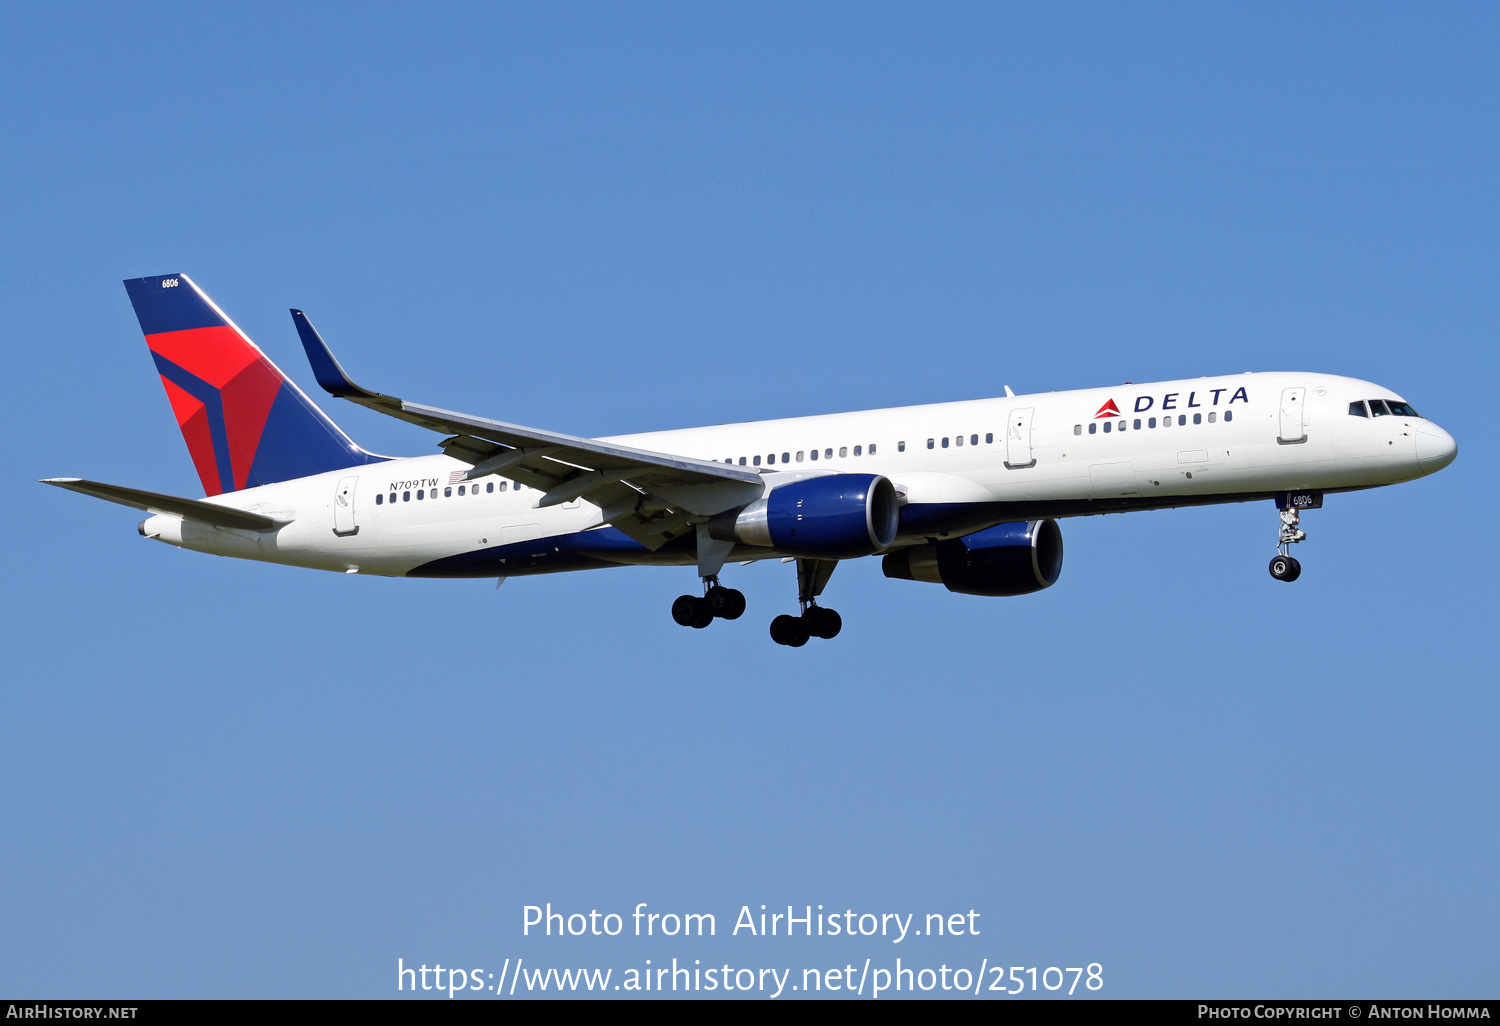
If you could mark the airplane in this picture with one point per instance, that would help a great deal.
(963, 494)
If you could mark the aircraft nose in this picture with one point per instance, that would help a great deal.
(1435, 447)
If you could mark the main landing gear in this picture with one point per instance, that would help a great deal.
(816, 621)
(1284, 566)
(718, 602)
(721, 603)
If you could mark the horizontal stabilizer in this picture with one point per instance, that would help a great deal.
(155, 502)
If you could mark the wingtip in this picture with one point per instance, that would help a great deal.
(325, 366)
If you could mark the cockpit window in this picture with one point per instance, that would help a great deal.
(1377, 408)
(1402, 410)
(1357, 409)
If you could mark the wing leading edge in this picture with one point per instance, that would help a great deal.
(650, 496)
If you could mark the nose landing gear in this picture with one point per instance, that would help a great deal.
(1284, 566)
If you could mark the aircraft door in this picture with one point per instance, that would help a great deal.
(343, 507)
(1018, 440)
(1293, 429)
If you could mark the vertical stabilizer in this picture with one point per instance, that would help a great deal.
(245, 422)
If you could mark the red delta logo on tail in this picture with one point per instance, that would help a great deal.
(222, 391)
(244, 422)
(1109, 409)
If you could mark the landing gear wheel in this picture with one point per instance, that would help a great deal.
(691, 611)
(1286, 568)
(725, 603)
(789, 631)
(822, 623)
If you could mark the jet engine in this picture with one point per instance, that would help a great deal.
(835, 516)
(1007, 559)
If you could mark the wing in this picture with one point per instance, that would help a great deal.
(650, 496)
(155, 502)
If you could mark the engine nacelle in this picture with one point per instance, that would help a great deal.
(1007, 559)
(835, 516)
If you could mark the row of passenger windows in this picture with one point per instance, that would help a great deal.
(1382, 407)
(786, 457)
(771, 459)
(1120, 425)
(958, 440)
(432, 493)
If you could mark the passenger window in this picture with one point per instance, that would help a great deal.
(844, 451)
(1197, 418)
(393, 497)
(973, 439)
(1137, 424)
(989, 437)
(379, 499)
(1228, 416)
(489, 486)
(1078, 429)
(406, 496)
(1212, 417)
(757, 461)
(931, 443)
(815, 454)
(506, 484)
(945, 441)
(799, 454)
(786, 457)
(419, 495)
(1108, 426)
(959, 440)
(1182, 420)
(856, 450)
(461, 490)
(1151, 422)
(872, 448)
(447, 492)
(1377, 408)
(828, 454)
(742, 461)
(1093, 427)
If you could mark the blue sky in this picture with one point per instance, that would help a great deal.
(225, 779)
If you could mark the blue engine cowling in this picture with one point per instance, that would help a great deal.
(835, 516)
(1008, 559)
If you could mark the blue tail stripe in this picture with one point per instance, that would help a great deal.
(209, 396)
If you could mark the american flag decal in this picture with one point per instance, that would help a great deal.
(457, 476)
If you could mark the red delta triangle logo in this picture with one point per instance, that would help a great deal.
(1109, 409)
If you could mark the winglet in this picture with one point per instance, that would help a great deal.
(326, 367)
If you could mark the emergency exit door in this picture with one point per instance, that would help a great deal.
(343, 507)
(1293, 420)
(1018, 440)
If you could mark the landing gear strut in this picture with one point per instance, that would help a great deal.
(816, 621)
(717, 602)
(1284, 567)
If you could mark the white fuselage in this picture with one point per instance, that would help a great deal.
(957, 467)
